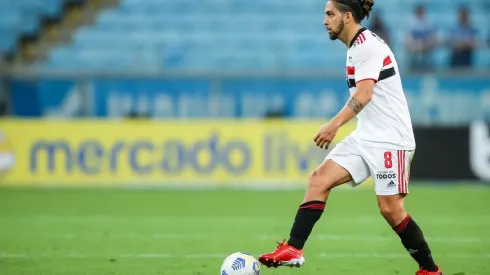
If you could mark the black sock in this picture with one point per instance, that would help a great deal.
(414, 242)
(306, 217)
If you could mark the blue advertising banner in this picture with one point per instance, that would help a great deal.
(154, 98)
(432, 99)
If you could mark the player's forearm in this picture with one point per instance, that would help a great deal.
(354, 106)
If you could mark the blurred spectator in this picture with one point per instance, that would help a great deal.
(463, 41)
(379, 28)
(274, 114)
(421, 41)
(3, 108)
(3, 92)
(134, 115)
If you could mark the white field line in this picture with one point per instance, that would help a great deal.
(315, 237)
(455, 221)
(5, 255)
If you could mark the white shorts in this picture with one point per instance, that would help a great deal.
(390, 169)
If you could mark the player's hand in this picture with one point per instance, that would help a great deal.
(325, 135)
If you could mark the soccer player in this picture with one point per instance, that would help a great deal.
(382, 146)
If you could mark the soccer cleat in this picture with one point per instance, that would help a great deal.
(284, 255)
(427, 272)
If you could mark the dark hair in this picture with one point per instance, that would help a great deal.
(360, 9)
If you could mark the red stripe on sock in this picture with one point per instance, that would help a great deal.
(314, 206)
(317, 207)
(403, 224)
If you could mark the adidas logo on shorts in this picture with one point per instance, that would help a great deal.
(391, 184)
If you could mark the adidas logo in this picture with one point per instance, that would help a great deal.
(391, 184)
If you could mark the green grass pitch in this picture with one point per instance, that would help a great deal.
(189, 232)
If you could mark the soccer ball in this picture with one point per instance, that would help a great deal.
(240, 263)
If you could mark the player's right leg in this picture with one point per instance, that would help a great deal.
(341, 166)
(393, 210)
(390, 170)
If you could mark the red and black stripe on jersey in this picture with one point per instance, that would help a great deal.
(357, 38)
(360, 39)
(388, 70)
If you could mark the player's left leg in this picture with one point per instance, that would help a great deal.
(390, 171)
(342, 165)
(411, 236)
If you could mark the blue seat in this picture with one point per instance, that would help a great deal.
(7, 41)
(482, 59)
(238, 35)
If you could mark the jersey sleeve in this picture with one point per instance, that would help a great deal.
(367, 63)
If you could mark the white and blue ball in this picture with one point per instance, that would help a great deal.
(240, 263)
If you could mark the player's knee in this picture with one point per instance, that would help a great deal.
(319, 182)
(391, 211)
(387, 211)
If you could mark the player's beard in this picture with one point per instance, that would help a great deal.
(335, 34)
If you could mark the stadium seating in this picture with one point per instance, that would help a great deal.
(237, 35)
(22, 17)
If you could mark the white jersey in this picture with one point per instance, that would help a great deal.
(385, 121)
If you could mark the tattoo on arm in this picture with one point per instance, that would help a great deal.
(355, 105)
